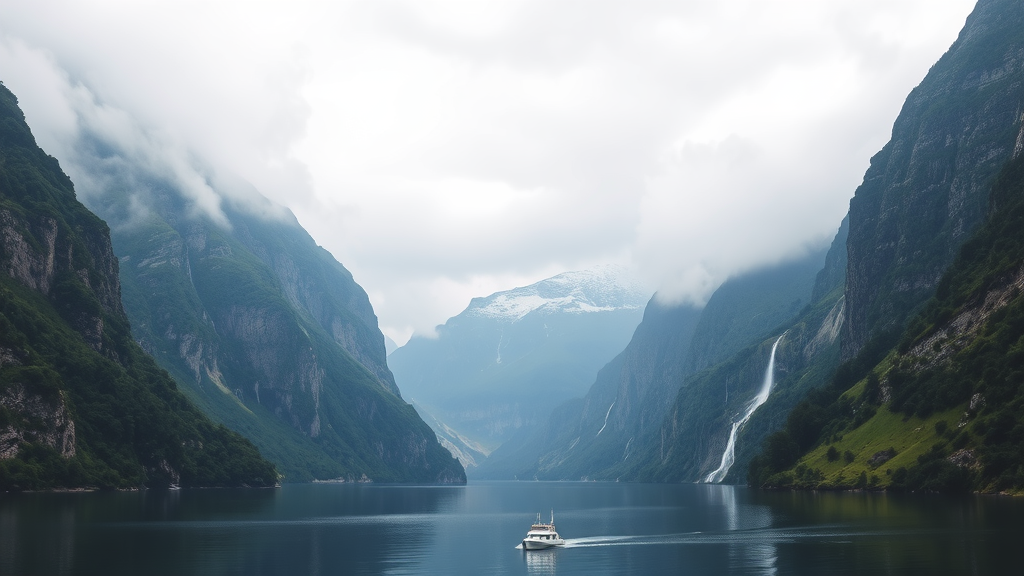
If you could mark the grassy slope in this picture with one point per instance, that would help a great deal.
(947, 400)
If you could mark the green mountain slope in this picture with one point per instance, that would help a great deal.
(263, 329)
(941, 411)
(80, 403)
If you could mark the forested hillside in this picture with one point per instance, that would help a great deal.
(80, 403)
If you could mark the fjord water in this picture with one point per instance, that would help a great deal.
(610, 528)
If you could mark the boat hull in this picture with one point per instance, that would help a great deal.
(529, 544)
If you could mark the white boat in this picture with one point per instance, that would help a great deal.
(542, 535)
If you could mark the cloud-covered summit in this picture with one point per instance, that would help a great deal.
(443, 149)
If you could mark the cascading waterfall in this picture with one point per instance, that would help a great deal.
(729, 456)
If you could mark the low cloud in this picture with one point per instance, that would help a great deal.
(448, 149)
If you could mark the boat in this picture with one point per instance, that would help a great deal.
(542, 535)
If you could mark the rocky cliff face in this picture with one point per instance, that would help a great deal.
(925, 191)
(36, 420)
(940, 409)
(343, 311)
(751, 306)
(80, 405)
(833, 274)
(265, 330)
(689, 442)
(39, 252)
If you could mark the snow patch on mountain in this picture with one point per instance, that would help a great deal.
(603, 289)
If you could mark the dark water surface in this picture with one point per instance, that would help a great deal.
(610, 528)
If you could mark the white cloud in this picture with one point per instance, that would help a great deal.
(448, 149)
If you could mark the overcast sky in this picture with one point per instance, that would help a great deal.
(443, 150)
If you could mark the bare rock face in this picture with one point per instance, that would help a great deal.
(37, 252)
(926, 190)
(35, 417)
(33, 269)
(321, 287)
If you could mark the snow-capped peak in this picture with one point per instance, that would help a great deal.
(602, 289)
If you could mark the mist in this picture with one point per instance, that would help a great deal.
(445, 150)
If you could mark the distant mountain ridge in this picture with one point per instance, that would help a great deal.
(600, 289)
(503, 363)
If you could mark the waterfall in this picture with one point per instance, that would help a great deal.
(729, 456)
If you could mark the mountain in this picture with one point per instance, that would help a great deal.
(922, 197)
(262, 328)
(925, 191)
(80, 403)
(941, 410)
(931, 404)
(690, 442)
(501, 365)
(602, 435)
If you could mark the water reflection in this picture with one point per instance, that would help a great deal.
(309, 529)
(46, 528)
(541, 562)
(743, 523)
(610, 529)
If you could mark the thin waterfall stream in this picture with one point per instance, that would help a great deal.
(729, 455)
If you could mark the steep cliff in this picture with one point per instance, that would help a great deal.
(912, 407)
(942, 410)
(749, 307)
(80, 403)
(925, 191)
(689, 443)
(264, 329)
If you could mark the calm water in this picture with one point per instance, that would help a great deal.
(610, 528)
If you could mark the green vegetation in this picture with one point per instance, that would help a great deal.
(942, 404)
(265, 332)
(68, 352)
(926, 190)
(249, 348)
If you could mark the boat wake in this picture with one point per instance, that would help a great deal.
(835, 534)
